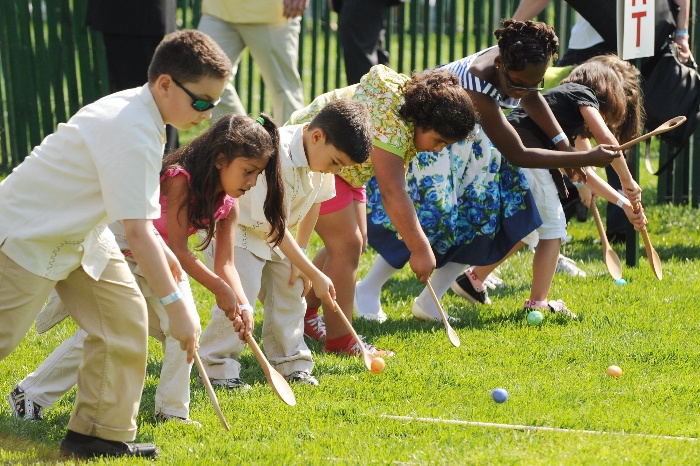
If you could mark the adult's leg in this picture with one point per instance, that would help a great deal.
(22, 296)
(227, 36)
(113, 312)
(362, 25)
(275, 48)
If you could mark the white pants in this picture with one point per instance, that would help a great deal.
(59, 371)
(544, 191)
(283, 323)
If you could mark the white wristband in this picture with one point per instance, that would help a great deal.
(171, 298)
(246, 307)
(620, 202)
(558, 138)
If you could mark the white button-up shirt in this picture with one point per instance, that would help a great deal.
(303, 188)
(100, 166)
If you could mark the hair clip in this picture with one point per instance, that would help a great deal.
(260, 120)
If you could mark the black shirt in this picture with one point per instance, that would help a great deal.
(564, 100)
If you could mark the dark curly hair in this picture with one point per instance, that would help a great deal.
(233, 136)
(523, 42)
(434, 100)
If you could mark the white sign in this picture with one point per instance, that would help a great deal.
(635, 28)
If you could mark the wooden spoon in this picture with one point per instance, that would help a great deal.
(367, 357)
(451, 334)
(274, 378)
(662, 128)
(210, 390)
(652, 255)
(611, 259)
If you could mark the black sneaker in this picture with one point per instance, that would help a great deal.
(84, 446)
(302, 377)
(232, 384)
(463, 287)
(23, 407)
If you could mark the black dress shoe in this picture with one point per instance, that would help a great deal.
(100, 447)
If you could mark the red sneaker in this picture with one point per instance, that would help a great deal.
(314, 326)
(353, 349)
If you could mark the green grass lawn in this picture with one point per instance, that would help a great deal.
(554, 373)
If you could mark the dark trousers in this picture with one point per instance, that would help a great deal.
(128, 59)
(362, 27)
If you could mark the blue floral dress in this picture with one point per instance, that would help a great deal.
(473, 205)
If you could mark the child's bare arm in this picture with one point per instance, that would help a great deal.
(224, 266)
(603, 135)
(304, 230)
(178, 222)
(148, 253)
(601, 188)
(323, 286)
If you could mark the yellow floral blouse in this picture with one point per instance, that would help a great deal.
(380, 90)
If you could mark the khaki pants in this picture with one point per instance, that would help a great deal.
(113, 312)
(59, 371)
(275, 49)
(283, 323)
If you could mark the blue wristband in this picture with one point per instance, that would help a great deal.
(681, 32)
(558, 138)
(578, 184)
(171, 298)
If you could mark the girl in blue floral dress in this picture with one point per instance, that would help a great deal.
(473, 205)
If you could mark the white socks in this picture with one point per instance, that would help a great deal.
(441, 280)
(369, 290)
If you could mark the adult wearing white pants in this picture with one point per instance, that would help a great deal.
(270, 29)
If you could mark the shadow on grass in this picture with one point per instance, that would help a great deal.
(31, 441)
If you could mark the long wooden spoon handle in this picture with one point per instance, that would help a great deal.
(210, 390)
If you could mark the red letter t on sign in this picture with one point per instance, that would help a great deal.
(639, 15)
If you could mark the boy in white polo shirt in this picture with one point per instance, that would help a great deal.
(103, 165)
(338, 136)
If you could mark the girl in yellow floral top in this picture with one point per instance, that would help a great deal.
(424, 112)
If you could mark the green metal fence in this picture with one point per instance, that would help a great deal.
(51, 64)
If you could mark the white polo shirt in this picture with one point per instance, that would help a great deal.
(101, 166)
(302, 187)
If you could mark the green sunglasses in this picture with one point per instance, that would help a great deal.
(197, 103)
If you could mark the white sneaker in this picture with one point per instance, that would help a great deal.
(420, 314)
(379, 316)
(492, 281)
(568, 266)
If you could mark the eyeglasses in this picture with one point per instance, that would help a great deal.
(197, 103)
(520, 88)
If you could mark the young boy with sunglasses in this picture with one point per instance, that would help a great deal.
(101, 166)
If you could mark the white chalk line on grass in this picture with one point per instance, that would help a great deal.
(534, 428)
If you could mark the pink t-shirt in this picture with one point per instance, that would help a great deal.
(222, 208)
